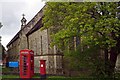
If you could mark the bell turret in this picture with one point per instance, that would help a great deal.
(23, 22)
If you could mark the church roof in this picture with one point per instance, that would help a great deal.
(37, 26)
(14, 39)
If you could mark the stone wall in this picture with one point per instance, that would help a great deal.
(38, 42)
(13, 50)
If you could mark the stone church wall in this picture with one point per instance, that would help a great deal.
(13, 50)
(38, 41)
(40, 44)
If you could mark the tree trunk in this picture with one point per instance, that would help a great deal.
(113, 53)
(106, 61)
(113, 58)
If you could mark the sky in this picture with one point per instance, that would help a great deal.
(11, 14)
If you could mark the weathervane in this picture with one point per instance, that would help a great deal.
(23, 15)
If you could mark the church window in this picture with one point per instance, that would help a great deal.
(41, 46)
(36, 46)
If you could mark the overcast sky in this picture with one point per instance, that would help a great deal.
(11, 13)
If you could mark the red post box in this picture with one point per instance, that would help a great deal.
(26, 63)
(43, 68)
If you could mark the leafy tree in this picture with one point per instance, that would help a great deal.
(93, 23)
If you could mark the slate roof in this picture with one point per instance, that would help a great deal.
(37, 26)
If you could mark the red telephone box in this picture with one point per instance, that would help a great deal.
(26, 63)
(42, 68)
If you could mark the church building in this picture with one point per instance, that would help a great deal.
(31, 37)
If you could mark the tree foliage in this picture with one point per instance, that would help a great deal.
(95, 23)
(70, 19)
